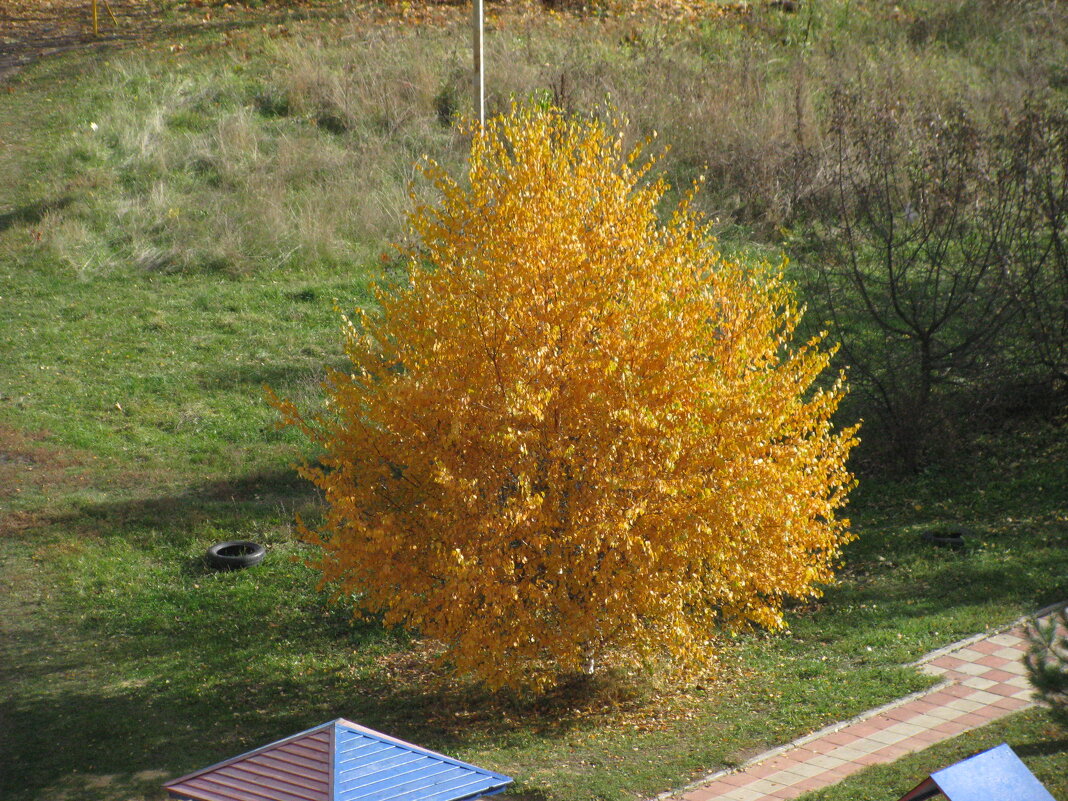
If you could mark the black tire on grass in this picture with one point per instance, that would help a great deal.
(235, 554)
(946, 538)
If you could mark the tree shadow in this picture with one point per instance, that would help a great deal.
(1042, 748)
(32, 213)
(277, 377)
(168, 700)
(126, 745)
(243, 500)
(197, 665)
(957, 584)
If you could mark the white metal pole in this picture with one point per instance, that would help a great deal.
(477, 26)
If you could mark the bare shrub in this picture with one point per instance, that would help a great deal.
(1036, 163)
(913, 258)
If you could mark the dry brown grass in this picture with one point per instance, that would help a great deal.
(299, 146)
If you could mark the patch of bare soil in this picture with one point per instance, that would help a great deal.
(24, 458)
(27, 465)
(33, 29)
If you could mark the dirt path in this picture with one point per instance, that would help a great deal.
(33, 29)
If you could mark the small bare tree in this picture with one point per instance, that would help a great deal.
(912, 258)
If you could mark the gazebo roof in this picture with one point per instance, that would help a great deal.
(339, 761)
(993, 774)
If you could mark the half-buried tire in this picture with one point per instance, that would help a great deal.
(952, 537)
(235, 554)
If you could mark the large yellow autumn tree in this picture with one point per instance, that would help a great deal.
(578, 435)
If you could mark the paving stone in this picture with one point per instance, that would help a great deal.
(1012, 704)
(735, 779)
(999, 675)
(864, 729)
(1017, 668)
(945, 713)
(964, 705)
(951, 728)
(892, 752)
(957, 690)
(925, 722)
(786, 793)
(826, 761)
(977, 718)
(995, 661)
(928, 737)
(766, 786)
(761, 770)
(841, 737)
(973, 668)
(1005, 640)
(848, 753)
(743, 794)
(979, 682)
(983, 697)
(888, 737)
(802, 770)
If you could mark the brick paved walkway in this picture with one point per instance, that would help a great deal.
(983, 680)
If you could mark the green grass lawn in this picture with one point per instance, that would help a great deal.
(157, 270)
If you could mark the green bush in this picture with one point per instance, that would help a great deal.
(1047, 663)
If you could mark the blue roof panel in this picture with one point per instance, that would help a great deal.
(370, 766)
(996, 773)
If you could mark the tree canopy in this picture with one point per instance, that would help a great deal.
(577, 435)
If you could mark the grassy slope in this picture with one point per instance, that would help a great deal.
(135, 434)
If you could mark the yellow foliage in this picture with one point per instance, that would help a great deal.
(577, 433)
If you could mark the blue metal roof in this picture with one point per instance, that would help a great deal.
(997, 773)
(994, 774)
(371, 766)
(339, 761)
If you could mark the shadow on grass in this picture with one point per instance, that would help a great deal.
(904, 598)
(126, 743)
(145, 664)
(170, 702)
(240, 501)
(992, 564)
(32, 213)
(161, 726)
(1041, 747)
(178, 672)
(258, 376)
